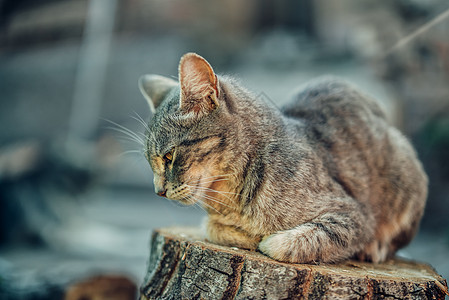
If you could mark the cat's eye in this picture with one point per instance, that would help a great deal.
(168, 157)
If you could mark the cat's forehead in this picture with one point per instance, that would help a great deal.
(167, 128)
(163, 133)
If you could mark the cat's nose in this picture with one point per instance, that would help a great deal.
(162, 193)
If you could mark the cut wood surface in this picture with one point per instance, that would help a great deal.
(182, 265)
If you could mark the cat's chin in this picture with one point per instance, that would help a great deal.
(186, 202)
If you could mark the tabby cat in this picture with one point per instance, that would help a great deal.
(323, 179)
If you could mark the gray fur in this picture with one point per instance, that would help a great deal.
(154, 88)
(323, 179)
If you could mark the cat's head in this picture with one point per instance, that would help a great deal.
(188, 135)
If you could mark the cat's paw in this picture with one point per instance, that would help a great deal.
(277, 246)
(230, 236)
(307, 243)
(297, 245)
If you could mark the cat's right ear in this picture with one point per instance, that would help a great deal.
(154, 88)
(199, 85)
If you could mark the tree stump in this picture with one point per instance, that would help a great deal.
(182, 265)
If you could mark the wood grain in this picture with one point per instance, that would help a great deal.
(182, 265)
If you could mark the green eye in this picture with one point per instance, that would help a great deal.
(168, 157)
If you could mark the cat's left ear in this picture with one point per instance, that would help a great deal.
(199, 85)
(154, 88)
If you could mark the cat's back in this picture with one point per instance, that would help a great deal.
(346, 130)
(369, 158)
(340, 122)
(329, 97)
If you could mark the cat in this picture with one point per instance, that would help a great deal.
(323, 179)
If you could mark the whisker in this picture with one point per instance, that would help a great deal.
(121, 127)
(130, 152)
(216, 201)
(186, 198)
(126, 131)
(215, 180)
(221, 175)
(175, 204)
(138, 116)
(139, 119)
(195, 203)
(141, 122)
(210, 206)
(129, 139)
(208, 197)
(204, 179)
(216, 191)
(198, 204)
(133, 136)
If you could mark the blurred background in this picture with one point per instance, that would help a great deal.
(76, 194)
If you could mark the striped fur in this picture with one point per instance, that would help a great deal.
(321, 180)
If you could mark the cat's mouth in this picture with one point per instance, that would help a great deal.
(205, 191)
(187, 194)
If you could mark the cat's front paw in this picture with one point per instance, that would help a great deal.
(297, 245)
(275, 246)
(231, 236)
(307, 243)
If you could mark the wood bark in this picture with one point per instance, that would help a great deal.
(182, 265)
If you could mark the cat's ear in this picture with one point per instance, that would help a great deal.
(154, 88)
(199, 91)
